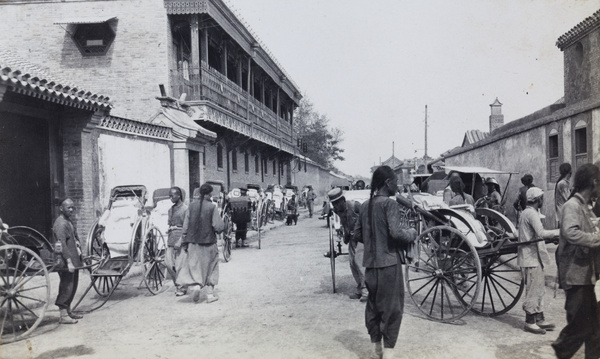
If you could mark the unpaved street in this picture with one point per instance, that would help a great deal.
(275, 302)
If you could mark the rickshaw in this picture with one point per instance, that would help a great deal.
(225, 238)
(465, 258)
(259, 207)
(123, 236)
(336, 231)
(240, 207)
(27, 258)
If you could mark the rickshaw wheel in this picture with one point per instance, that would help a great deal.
(227, 240)
(25, 292)
(502, 285)
(332, 252)
(153, 258)
(443, 280)
(97, 254)
(261, 215)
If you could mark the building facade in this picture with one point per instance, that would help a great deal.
(566, 131)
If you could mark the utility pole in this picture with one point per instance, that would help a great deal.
(425, 155)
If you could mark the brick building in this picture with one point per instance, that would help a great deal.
(566, 131)
(195, 96)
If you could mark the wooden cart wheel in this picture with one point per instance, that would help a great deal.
(24, 290)
(227, 237)
(444, 279)
(153, 258)
(332, 252)
(97, 254)
(502, 284)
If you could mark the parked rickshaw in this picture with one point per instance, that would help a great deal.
(123, 236)
(224, 238)
(241, 208)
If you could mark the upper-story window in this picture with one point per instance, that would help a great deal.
(234, 160)
(256, 164)
(219, 156)
(246, 162)
(580, 143)
(93, 39)
(553, 155)
(274, 167)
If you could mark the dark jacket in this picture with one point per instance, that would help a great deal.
(578, 253)
(390, 234)
(64, 232)
(201, 224)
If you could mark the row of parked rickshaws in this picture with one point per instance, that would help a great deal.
(128, 233)
(465, 257)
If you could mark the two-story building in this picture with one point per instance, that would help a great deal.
(195, 95)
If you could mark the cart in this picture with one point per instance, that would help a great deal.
(26, 261)
(336, 231)
(241, 208)
(464, 258)
(224, 238)
(123, 236)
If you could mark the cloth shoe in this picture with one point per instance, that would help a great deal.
(354, 296)
(75, 316)
(364, 298)
(211, 298)
(388, 353)
(377, 351)
(542, 323)
(180, 292)
(530, 325)
(244, 244)
(65, 318)
(196, 296)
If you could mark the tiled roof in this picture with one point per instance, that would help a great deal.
(473, 136)
(581, 28)
(33, 80)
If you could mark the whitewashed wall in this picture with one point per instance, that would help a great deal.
(127, 161)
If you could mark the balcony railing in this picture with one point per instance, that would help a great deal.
(215, 87)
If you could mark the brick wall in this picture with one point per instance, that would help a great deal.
(136, 62)
(581, 70)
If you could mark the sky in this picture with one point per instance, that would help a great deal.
(372, 66)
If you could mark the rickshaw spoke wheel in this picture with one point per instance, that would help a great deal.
(502, 285)
(443, 279)
(332, 252)
(154, 252)
(24, 292)
(227, 237)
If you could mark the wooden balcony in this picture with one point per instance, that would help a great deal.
(213, 86)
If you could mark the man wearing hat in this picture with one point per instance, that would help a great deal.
(532, 258)
(310, 200)
(348, 212)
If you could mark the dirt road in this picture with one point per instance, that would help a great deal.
(275, 302)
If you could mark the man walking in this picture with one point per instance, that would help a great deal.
(348, 212)
(310, 200)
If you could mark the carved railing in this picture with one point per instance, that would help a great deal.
(134, 127)
(217, 88)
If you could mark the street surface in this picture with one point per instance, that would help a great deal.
(274, 302)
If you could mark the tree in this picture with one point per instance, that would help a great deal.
(323, 143)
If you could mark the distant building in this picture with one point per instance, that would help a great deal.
(565, 131)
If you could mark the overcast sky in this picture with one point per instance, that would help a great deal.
(372, 66)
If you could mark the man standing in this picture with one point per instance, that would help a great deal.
(68, 248)
(310, 200)
(562, 190)
(348, 212)
(175, 221)
(532, 258)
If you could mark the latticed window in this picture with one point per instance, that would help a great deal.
(93, 39)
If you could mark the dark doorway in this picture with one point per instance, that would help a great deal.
(194, 168)
(25, 191)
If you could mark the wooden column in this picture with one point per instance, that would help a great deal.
(195, 39)
(278, 112)
(250, 76)
(239, 71)
(204, 45)
(224, 58)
